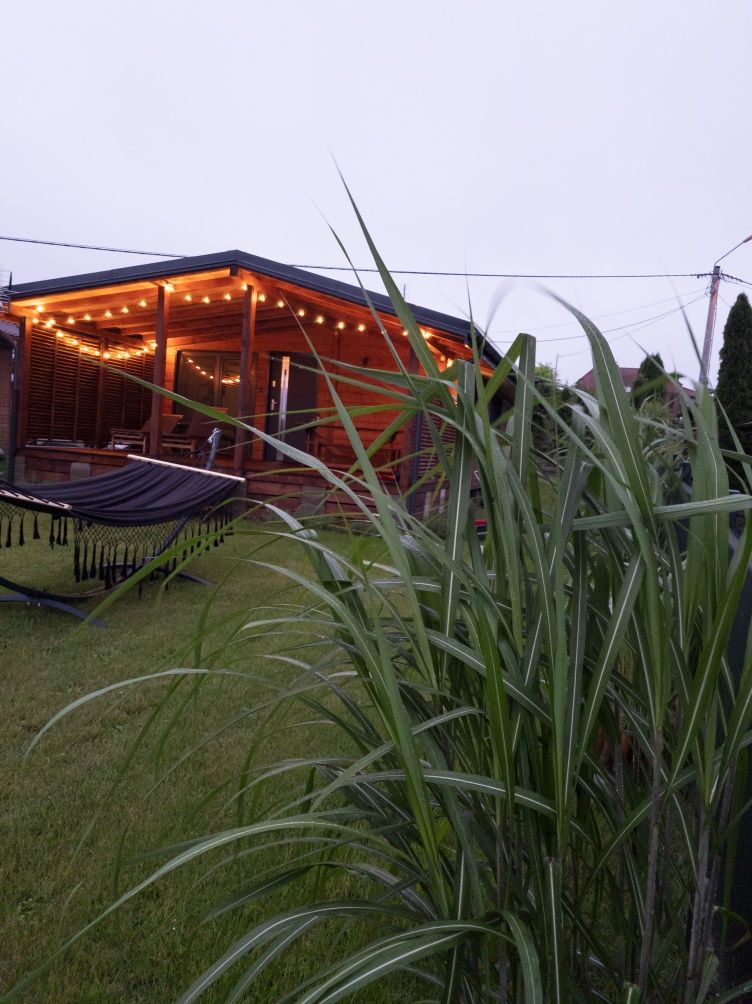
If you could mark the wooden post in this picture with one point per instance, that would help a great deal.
(100, 441)
(247, 336)
(21, 389)
(160, 359)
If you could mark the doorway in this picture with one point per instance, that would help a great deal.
(291, 401)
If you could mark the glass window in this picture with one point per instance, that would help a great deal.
(210, 378)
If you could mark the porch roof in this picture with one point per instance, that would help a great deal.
(458, 328)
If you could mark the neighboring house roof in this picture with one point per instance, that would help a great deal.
(457, 326)
(628, 376)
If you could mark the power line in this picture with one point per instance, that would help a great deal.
(395, 271)
(614, 313)
(516, 275)
(634, 327)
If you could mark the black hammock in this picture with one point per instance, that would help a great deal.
(119, 521)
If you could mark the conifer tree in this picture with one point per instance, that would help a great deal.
(734, 388)
(651, 380)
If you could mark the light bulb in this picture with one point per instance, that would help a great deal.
(361, 327)
(123, 310)
(206, 300)
(142, 303)
(169, 288)
(60, 334)
(301, 312)
(108, 313)
(262, 296)
(106, 355)
(188, 297)
(228, 296)
(87, 317)
(341, 325)
(39, 308)
(280, 303)
(319, 319)
(70, 320)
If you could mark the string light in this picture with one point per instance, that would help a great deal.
(206, 300)
(106, 355)
(228, 296)
(50, 323)
(87, 317)
(142, 303)
(244, 286)
(280, 303)
(108, 313)
(60, 334)
(188, 298)
(261, 296)
(320, 319)
(70, 320)
(340, 325)
(169, 288)
(361, 327)
(301, 312)
(39, 308)
(123, 310)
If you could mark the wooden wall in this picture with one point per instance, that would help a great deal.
(360, 349)
(5, 394)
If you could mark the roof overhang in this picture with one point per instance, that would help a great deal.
(456, 327)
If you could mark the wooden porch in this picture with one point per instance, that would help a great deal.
(230, 331)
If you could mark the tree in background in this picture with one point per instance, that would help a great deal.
(559, 397)
(734, 388)
(651, 381)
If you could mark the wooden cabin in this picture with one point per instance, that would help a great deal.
(222, 329)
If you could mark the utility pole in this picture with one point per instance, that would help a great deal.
(707, 345)
(715, 281)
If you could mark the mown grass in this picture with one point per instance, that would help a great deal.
(75, 825)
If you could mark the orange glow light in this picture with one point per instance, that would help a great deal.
(361, 327)
(169, 288)
(206, 300)
(142, 303)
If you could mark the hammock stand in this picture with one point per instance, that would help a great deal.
(104, 512)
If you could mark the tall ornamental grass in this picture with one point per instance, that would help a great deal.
(532, 739)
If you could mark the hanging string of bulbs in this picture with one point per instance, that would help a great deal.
(72, 341)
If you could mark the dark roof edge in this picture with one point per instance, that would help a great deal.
(457, 326)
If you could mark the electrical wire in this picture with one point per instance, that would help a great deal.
(634, 328)
(598, 317)
(394, 271)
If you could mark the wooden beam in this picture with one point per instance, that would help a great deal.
(160, 358)
(247, 337)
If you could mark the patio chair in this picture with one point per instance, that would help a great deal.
(137, 440)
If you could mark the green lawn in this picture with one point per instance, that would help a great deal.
(68, 814)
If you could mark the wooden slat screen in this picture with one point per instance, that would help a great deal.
(64, 387)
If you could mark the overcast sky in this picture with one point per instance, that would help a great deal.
(497, 137)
